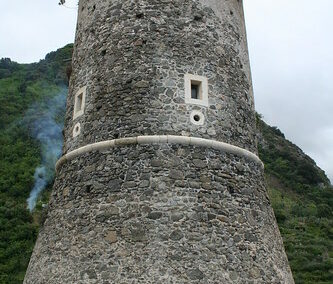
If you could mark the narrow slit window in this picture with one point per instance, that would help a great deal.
(79, 103)
(196, 90)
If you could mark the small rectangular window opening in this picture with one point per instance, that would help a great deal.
(79, 101)
(196, 89)
(196, 92)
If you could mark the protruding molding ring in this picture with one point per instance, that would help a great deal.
(161, 139)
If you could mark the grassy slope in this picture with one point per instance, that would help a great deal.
(302, 199)
(20, 87)
(300, 193)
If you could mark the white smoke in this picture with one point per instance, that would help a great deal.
(45, 121)
(40, 184)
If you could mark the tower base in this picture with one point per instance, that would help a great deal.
(159, 214)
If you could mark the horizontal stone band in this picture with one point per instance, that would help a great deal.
(160, 139)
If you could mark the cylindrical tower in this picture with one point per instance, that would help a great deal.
(159, 181)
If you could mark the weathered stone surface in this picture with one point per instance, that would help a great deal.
(138, 85)
(195, 274)
(176, 235)
(111, 236)
(224, 234)
(159, 213)
(154, 215)
(176, 174)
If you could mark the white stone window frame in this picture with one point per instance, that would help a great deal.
(200, 81)
(79, 103)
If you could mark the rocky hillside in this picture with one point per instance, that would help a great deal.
(300, 192)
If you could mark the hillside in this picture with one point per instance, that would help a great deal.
(25, 90)
(302, 199)
(34, 94)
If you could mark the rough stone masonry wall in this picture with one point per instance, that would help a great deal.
(165, 213)
(159, 214)
(132, 57)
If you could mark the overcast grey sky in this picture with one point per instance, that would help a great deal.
(290, 44)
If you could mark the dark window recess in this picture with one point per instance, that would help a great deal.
(195, 91)
(79, 102)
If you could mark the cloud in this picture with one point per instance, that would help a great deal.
(31, 29)
(290, 50)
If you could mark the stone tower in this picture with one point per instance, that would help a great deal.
(159, 181)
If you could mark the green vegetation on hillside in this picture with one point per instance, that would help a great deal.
(21, 86)
(302, 199)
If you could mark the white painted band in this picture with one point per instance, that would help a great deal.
(160, 139)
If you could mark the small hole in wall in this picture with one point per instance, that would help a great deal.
(76, 130)
(116, 135)
(88, 188)
(196, 118)
(94, 7)
(198, 17)
(231, 12)
(140, 15)
(103, 52)
(98, 107)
